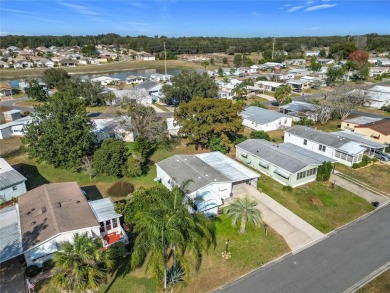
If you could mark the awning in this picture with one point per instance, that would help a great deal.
(44, 249)
(282, 173)
(244, 155)
(208, 200)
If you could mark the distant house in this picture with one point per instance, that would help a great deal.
(12, 183)
(378, 71)
(12, 115)
(298, 110)
(5, 89)
(105, 80)
(385, 62)
(133, 79)
(54, 213)
(379, 96)
(4, 64)
(376, 131)
(128, 96)
(45, 63)
(335, 147)
(67, 62)
(172, 127)
(312, 53)
(157, 77)
(150, 86)
(213, 176)
(298, 85)
(286, 163)
(16, 127)
(299, 62)
(23, 64)
(257, 118)
(351, 123)
(112, 128)
(269, 86)
(145, 56)
(25, 85)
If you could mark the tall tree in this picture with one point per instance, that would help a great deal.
(35, 91)
(282, 92)
(55, 77)
(81, 266)
(90, 92)
(243, 210)
(89, 50)
(334, 75)
(201, 119)
(314, 65)
(188, 85)
(60, 132)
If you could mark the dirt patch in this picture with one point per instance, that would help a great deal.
(10, 145)
(315, 201)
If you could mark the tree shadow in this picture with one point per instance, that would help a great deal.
(34, 178)
(94, 114)
(122, 268)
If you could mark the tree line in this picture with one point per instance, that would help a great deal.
(198, 45)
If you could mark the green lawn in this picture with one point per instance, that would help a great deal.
(330, 126)
(373, 175)
(317, 203)
(248, 252)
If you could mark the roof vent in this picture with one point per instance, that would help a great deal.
(33, 209)
(57, 204)
(43, 209)
(33, 222)
(78, 201)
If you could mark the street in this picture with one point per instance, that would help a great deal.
(333, 265)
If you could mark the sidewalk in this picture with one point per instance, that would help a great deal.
(359, 191)
(292, 228)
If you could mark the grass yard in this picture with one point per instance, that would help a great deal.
(248, 251)
(317, 203)
(330, 126)
(374, 111)
(276, 135)
(374, 175)
(10, 145)
(28, 103)
(378, 285)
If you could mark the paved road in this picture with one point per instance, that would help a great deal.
(332, 265)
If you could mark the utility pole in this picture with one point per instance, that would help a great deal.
(273, 48)
(165, 53)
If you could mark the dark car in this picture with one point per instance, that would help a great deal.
(382, 156)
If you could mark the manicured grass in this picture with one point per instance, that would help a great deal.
(248, 251)
(317, 203)
(376, 175)
(378, 285)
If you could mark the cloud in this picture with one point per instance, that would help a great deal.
(284, 6)
(27, 14)
(295, 8)
(9, 33)
(319, 7)
(84, 10)
(313, 28)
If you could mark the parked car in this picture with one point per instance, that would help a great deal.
(382, 156)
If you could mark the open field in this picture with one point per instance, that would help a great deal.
(10, 74)
(380, 284)
(376, 175)
(248, 251)
(317, 203)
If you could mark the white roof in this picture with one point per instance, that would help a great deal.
(171, 124)
(104, 78)
(352, 148)
(269, 83)
(10, 236)
(21, 121)
(103, 209)
(10, 112)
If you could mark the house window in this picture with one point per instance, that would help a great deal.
(108, 225)
(101, 227)
(322, 147)
(14, 188)
(305, 141)
(114, 223)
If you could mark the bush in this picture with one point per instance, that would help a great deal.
(287, 188)
(365, 161)
(32, 271)
(305, 121)
(120, 188)
(216, 145)
(260, 134)
(117, 250)
(323, 172)
(48, 264)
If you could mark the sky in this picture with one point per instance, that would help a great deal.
(184, 18)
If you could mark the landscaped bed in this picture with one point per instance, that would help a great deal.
(317, 203)
(248, 251)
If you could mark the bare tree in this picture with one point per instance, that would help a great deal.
(86, 165)
(360, 42)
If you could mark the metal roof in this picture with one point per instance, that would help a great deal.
(352, 147)
(203, 169)
(359, 138)
(103, 209)
(21, 121)
(260, 115)
(10, 112)
(362, 120)
(306, 152)
(10, 236)
(148, 85)
(287, 158)
(8, 175)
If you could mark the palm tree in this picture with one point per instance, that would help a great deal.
(166, 231)
(243, 210)
(81, 266)
(282, 93)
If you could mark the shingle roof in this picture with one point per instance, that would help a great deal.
(51, 209)
(381, 126)
(260, 115)
(362, 120)
(148, 85)
(8, 175)
(284, 157)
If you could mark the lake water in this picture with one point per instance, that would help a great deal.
(120, 74)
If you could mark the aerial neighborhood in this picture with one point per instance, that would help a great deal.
(155, 164)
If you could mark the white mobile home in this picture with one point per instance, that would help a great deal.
(257, 118)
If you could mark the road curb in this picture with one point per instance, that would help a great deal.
(368, 279)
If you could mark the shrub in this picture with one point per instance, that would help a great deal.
(117, 250)
(216, 145)
(323, 172)
(120, 188)
(287, 188)
(32, 271)
(48, 264)
(365, 161)
(258, 134)
(305, 121)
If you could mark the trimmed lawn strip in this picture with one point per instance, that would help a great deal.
(317, 203)
(378, 285)
(248, 251)
(374, 175)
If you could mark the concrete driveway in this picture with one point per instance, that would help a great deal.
(292, 228)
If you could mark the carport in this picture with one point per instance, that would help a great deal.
(10, 235)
